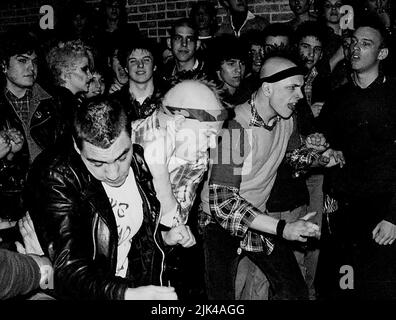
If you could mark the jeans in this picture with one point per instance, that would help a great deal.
(222, 258)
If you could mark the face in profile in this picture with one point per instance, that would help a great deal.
(96, 85)
(194, 138)
(118, 71)
(79, 78)
(285, 95)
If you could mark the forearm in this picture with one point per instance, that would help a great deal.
(233, 212)
(264, 223)
(19, 274)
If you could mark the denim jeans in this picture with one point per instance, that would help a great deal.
(222, 258)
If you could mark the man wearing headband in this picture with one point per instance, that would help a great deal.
(176, 140)
(234, 210)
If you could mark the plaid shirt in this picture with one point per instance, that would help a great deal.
(21, 105)
(185, 180)
(233, 212)
(308, 85)
(184, 176)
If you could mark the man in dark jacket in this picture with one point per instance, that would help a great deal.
(141, 94)
(96, 213)
(28, 117)
(359, 119)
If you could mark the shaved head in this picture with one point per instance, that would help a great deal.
(274, 65)
(192, 94)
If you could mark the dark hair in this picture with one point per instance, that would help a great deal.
(123, 18)
(100, 122)
(277, 29)
(310, 29)
(18, 40)
(228, 47)
(141, 43)
(374, 21)
(253, 37)
(183, 22)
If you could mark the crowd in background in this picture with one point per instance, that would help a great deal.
(46, 80)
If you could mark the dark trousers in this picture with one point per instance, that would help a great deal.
(347, 241)
(221, 261)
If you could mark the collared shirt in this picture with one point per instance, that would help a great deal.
(184, 176)
(185, 180)
(21, 105)
(308, 85)
(225, 201)
(147, 107)
(257, 121)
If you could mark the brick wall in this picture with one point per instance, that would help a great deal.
(153, 17)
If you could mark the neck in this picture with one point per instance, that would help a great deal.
(70, 88)
(231, 90)
(16, 91)
(336, 27)
(186, 65)
(263, 107)
(141, 90)
(364, 79)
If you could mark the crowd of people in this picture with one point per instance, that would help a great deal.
(243, 161)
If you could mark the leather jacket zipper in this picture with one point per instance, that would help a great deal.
(94, 226)
(155, 232)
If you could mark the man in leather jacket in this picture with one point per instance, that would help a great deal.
(28, 118)
(96, 212)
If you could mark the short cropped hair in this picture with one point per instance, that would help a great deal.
(62, 58)
(228, 47)
(183, 22)
(373, 21)
(17, 40)
(100, 121)
(143, 44)
(311, 29)
(277, 29)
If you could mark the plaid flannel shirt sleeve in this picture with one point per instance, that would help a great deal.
(233, 212)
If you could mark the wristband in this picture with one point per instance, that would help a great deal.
(280, 227)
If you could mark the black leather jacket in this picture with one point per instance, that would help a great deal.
(45, 128)
(77, 228)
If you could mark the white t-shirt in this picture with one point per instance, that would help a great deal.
(127, 206)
